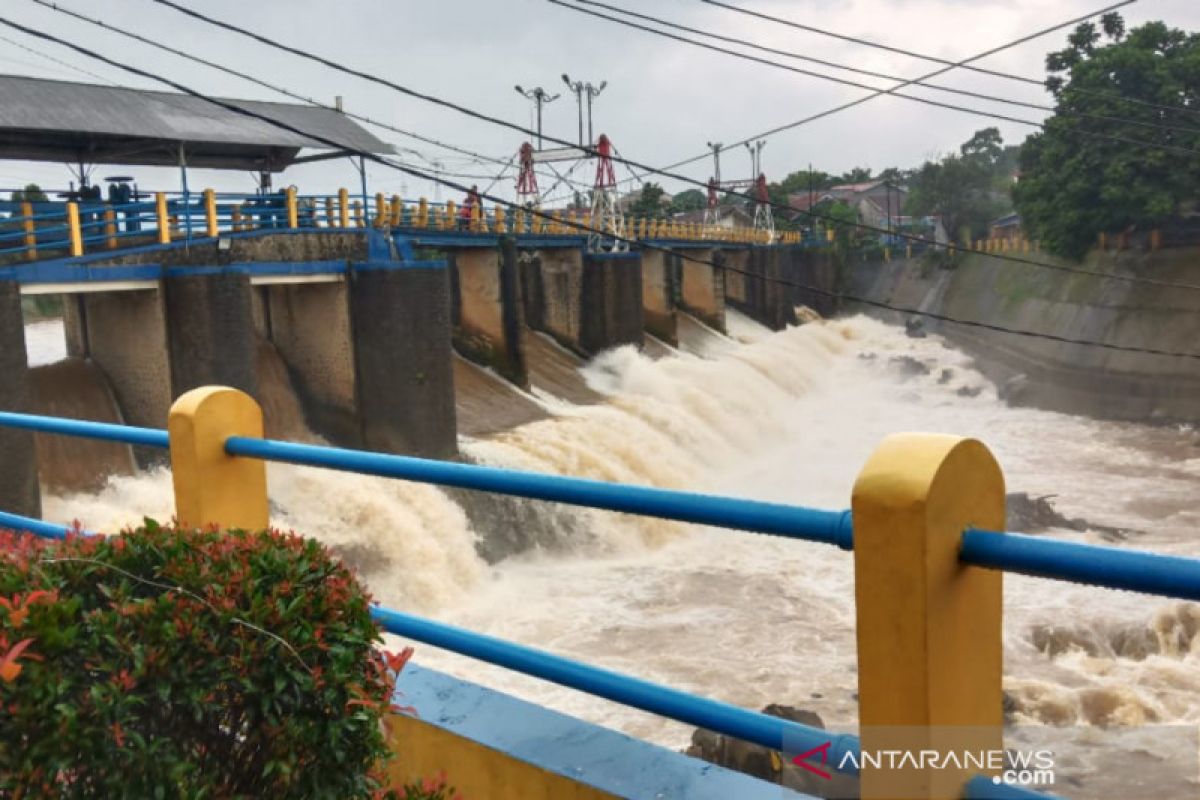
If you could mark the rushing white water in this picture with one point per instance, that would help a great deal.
(751, 619)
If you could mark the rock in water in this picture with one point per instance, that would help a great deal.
(771, 765)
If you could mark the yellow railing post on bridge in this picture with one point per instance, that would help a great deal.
(330, 218)
(235, 217)
(929, 628)
(500, 223)
(110, 228)
(293, 212)
(210, 213)
(212, 487)
(74, 231)
(30, 228)
(396, 212)
(161, 218)
(380, 210)
(343, 208)
(448, 215)
(423, 213)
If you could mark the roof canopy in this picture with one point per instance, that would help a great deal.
(48, 120)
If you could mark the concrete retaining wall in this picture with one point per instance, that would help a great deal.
(1056, 375)
(18, 462)
(487, 309)
(702, 287)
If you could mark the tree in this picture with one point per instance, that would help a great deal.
(649, 203)
(31, 193)
(1074, 185)
(967, 189)
(689, 200)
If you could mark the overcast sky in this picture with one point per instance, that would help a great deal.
(664, 99)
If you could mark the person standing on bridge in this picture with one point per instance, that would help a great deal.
(468, 208)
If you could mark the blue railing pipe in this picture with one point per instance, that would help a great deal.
(751, 726)
(829, 527)
(1111, 567)
(85, 429)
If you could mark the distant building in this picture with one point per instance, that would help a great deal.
(1006, 227)
(728, 217)
(875, 201)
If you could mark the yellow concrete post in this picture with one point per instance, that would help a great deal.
(74, 231)
(397, 211)
(519, 221)
(110, 228)
(210, 213)
(929, 628)
(293, 210)
(476, 223)
(501, 225)
(380, 209)
(30, 228)
(343, 208)
(448, 215)
(358, 214)
(236, 217)
(423, 213)
(330, 219)
(160, 214)
(211, 487)
(556, 223)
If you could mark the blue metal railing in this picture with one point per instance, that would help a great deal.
(1109, 567)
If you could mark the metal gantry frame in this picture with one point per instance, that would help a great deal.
(608, 221)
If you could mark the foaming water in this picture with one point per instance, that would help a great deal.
(790, 417)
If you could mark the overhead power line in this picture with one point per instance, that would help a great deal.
(964, 63)
(847, 82)
(872, 73)
(233, 108)
(58, 61)
(479, 157)
(591, 151)
(934, 59)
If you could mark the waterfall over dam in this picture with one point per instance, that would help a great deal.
(786, 416)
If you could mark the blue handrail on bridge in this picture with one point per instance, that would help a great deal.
(1110, 567)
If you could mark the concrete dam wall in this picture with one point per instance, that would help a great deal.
(1057, 375)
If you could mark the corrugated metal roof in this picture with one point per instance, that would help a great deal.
(60, 120)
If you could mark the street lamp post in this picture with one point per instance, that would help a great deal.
(540, 97)
(580, 89)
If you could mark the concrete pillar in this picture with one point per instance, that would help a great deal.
(403, 358)
(737, 263)
(127, 338)
(587, 302)
(487, 309)
(658, 302)
(310, 326)
(74, 325)
(611, 301)
(18, 466)
(210, 330)
(702, 288)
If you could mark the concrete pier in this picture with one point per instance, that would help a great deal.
(18, 465)
(702, 286)
(403, 365)
(210, 330)
(487, 309)
(658, 295)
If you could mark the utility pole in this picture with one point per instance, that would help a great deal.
(756, 157)
(580, 89)
(540, 97)
(716, 148)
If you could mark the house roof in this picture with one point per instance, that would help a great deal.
(51, 120)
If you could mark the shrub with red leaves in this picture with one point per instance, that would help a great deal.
(180, 663)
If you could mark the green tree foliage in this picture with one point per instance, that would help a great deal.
(32, 193)
(1076, 186)
(649, 203)
(967, 189)
(689, 200)
(856, 175)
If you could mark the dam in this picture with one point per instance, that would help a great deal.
(749, 368)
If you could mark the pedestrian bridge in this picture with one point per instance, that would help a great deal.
(924, 527)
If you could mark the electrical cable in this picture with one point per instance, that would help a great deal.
(593, 152)
(939, 87)
(236, 109)
(847, 82)
(936, 60)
